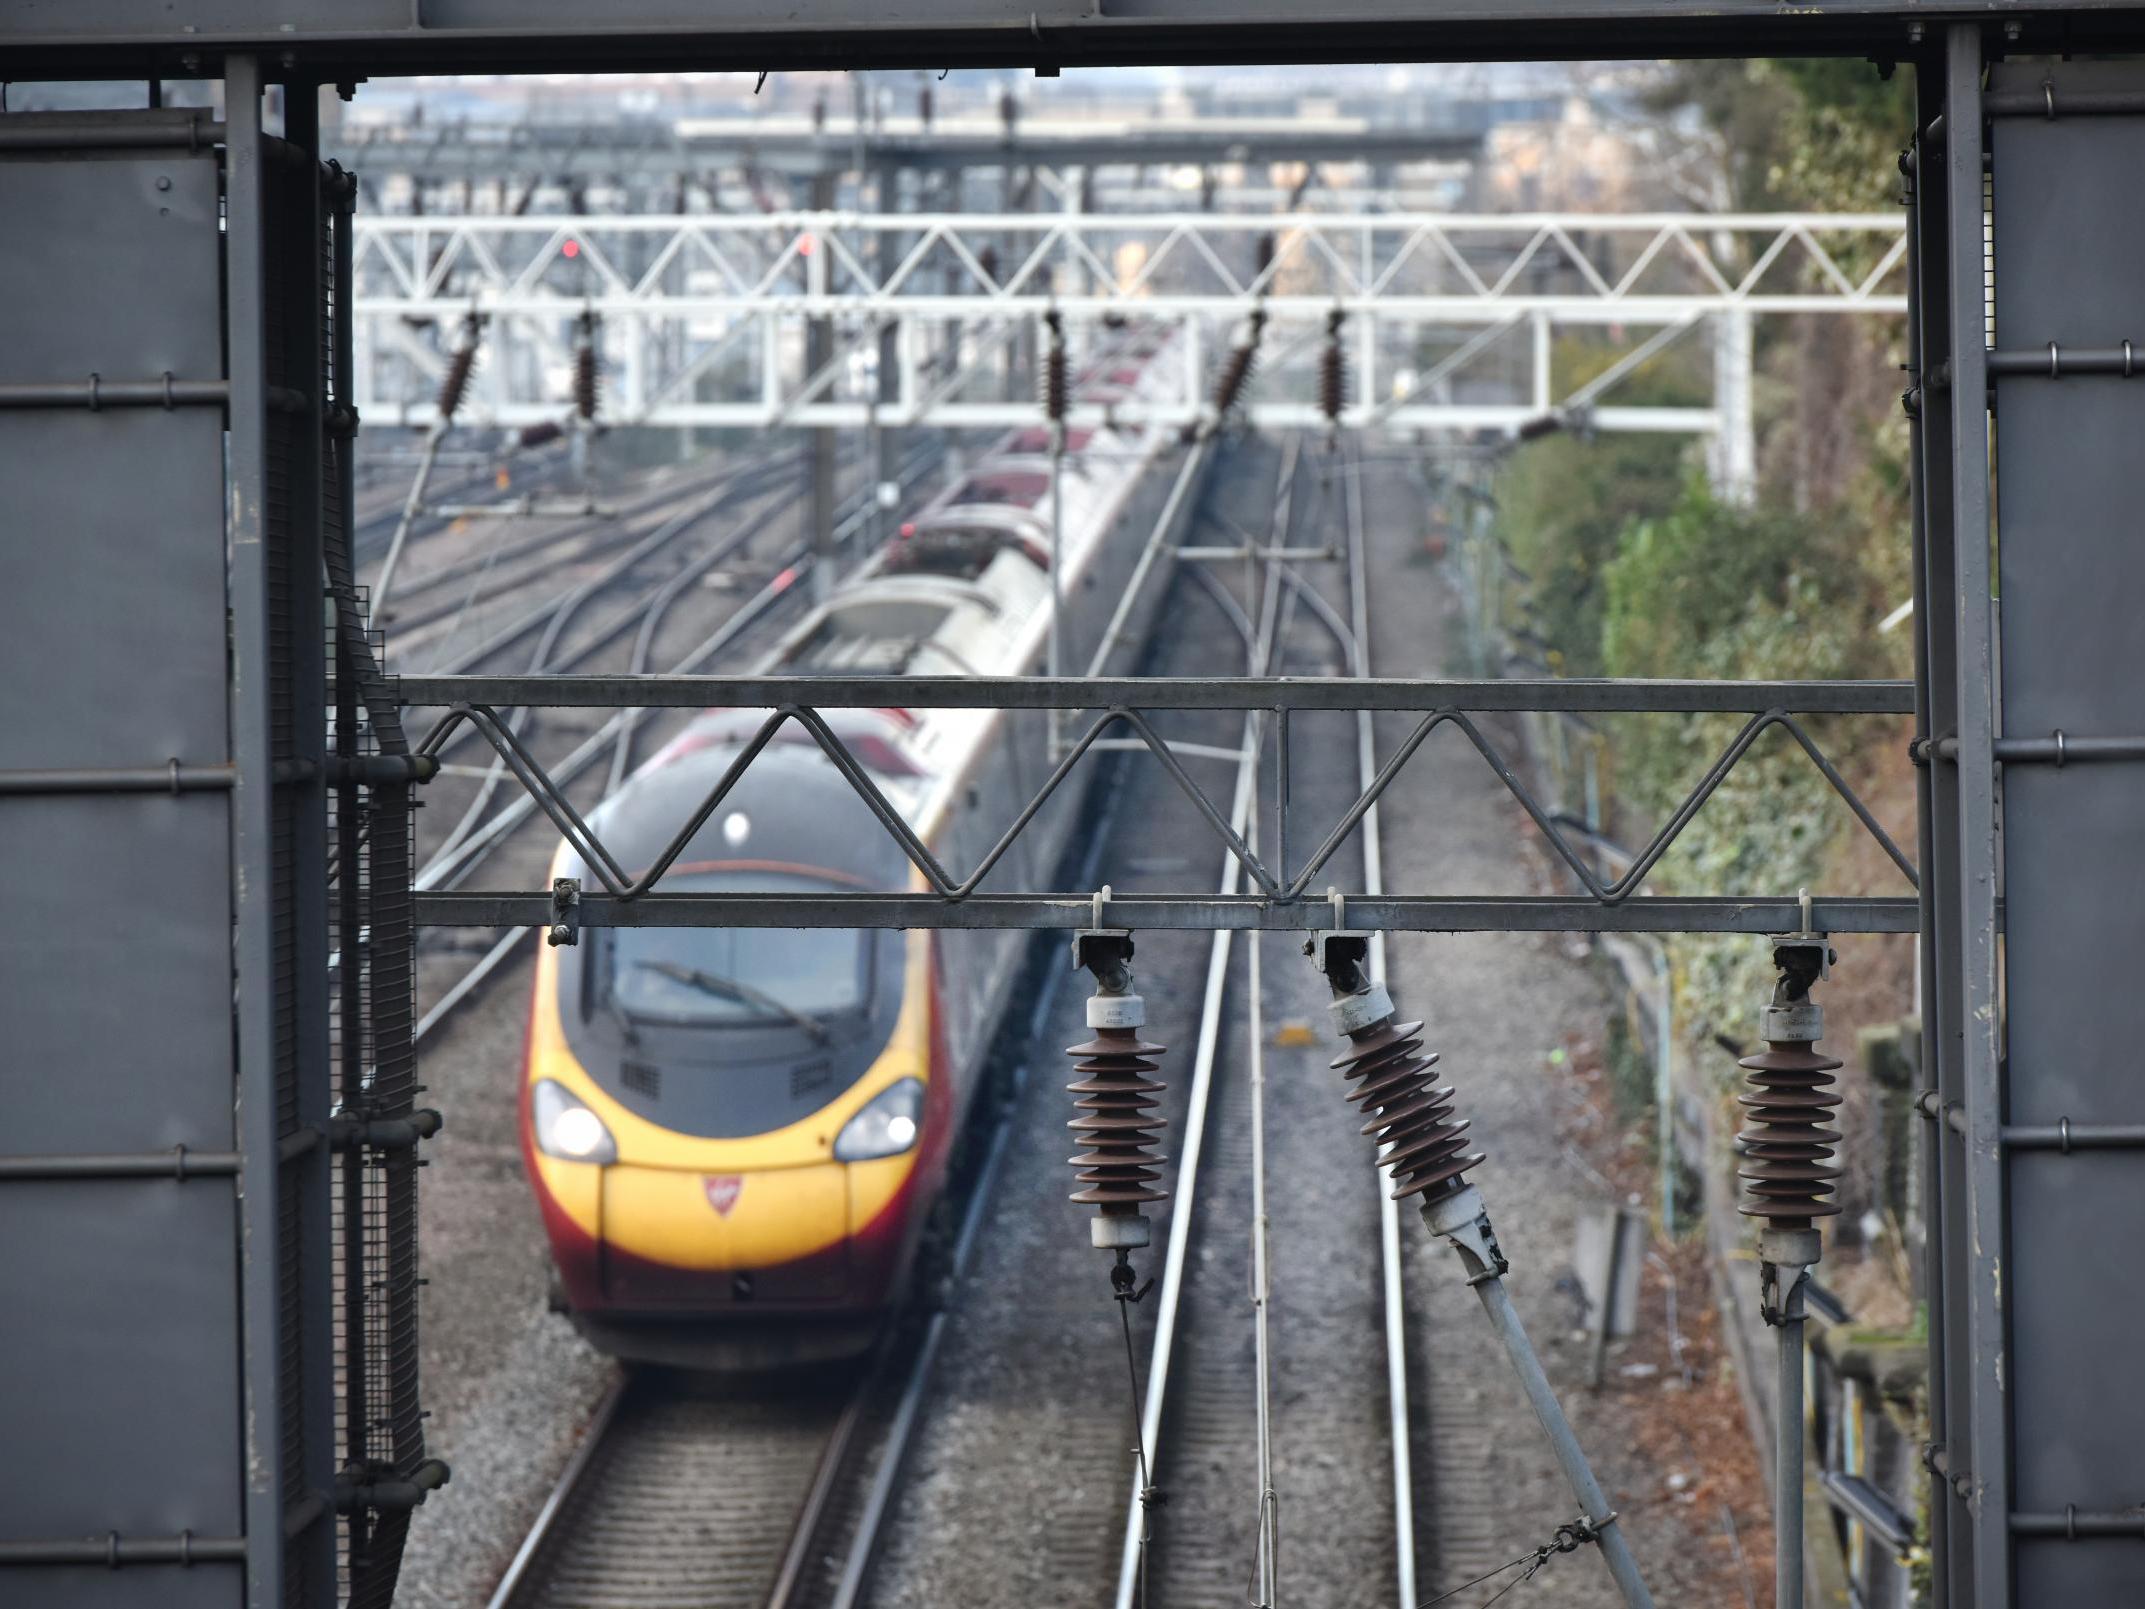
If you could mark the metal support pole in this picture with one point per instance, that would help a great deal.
(1664, 1086)
(1262, 1360)
(252, 849)
(1983, 1463)
(1788, 1440)
(1935, 786)
(1395, 1301)
(1462, 1220)
(1055, 398)
(818, 352)
(1735, 449)
(885, 386)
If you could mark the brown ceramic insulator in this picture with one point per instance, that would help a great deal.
(1787, 1150)
(454, 384)
(1263, 255)
(1118, 1124)
(584, 377)
(1332, 379)
(1410, 1112)
(1057, 382)
(1235, 375)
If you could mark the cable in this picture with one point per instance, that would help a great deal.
(1568, 1538)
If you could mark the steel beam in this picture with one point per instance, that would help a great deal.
(1410, 284)
(1244, 912)
(331, 38)
(1979, 1150)
(1943, 1269)
(252, 828)
(1345, 693)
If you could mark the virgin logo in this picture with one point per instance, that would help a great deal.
(723, 1190)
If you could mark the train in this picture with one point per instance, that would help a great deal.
(736, 1137)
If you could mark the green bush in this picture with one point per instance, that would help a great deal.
(1714, 591)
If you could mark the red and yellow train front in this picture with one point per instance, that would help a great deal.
(734, 1135)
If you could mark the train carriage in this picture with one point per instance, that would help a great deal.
(736, 1136)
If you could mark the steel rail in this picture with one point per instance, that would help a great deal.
(627, 530)
(1269, 1548)
(893, 1455)
(577, 597)
(863, 1549)
(592, 537)
(1183, 1210)
(1389, 1244)
(520, 1569)
(527, 1575)
(447, 868)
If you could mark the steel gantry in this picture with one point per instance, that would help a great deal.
(649, 165)
(202, 1306)
(1451, 320)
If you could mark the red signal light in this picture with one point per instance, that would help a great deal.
(572, 248)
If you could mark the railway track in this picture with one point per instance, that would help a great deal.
(699, 1492)
(1215, 1430)
(686, 1493)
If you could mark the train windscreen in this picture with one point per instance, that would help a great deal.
(722, 977)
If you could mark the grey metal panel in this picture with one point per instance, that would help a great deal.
(69, 309)
(2067, 245)
(114, 989)
(130, 1276)
(64, 501)
(202, 1586)
(119, 1401)
(109, 231)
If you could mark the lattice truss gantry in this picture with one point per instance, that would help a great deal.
(1284, 894)
(1452, 322)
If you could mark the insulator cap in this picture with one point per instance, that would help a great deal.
(1116, 1011)
(1352, 1013)
(1411, 1114)
(1119, 1170)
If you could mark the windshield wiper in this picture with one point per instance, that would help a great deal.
(715, 983)
(628, 1029)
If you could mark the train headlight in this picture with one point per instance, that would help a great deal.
(566, 1128)
(886, 1126)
